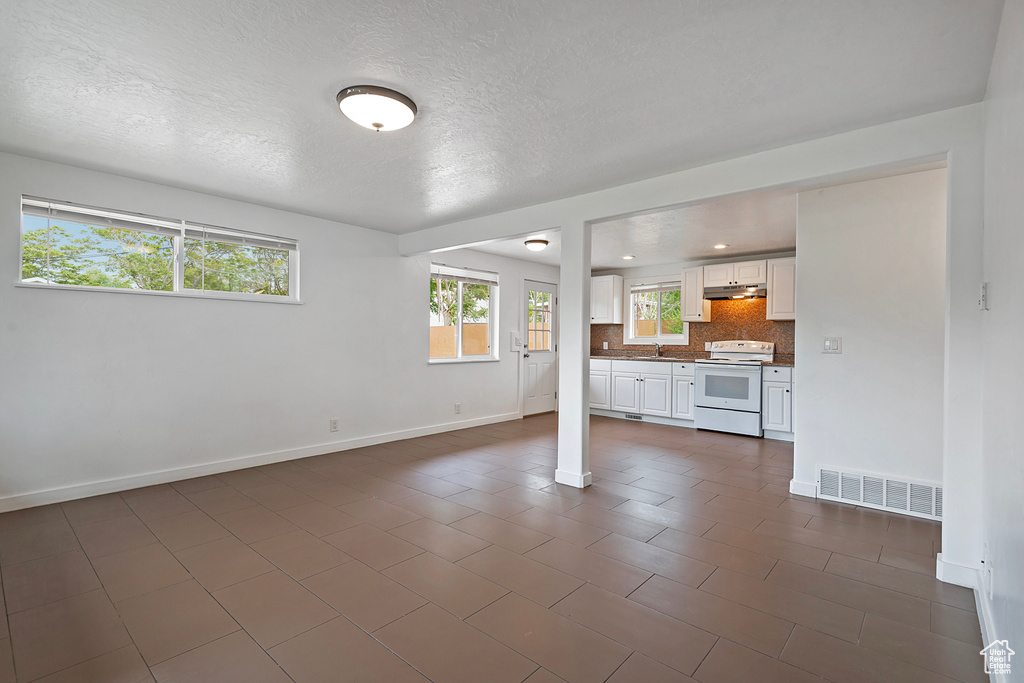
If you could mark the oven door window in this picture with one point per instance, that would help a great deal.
(727, 386)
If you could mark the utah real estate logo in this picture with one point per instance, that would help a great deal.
(997, 657)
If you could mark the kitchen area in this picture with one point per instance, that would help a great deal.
(731, 369)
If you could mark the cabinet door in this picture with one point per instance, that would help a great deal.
(626, 392)
(600, 389)
(750, 272)
(777, 407)
(682, 398)
(718, 275)
(695, 308)
(601, 299)
(656, 395)
(781, 304)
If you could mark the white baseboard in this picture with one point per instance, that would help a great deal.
(988, 627)
(100, 487)
(957, 574)
(779, 436)
(970, 577)
(580, 481)
(803, 488)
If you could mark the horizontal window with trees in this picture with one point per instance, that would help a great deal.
(461, 305)
(74, 246)
(655, 307)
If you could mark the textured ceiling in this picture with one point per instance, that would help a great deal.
(520, 102)
(754, 223)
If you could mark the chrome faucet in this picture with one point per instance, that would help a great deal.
(657, 350)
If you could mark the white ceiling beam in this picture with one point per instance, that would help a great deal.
(838, 158)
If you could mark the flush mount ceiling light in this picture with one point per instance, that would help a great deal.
(721, 246)
(377, 108)
(628, 257)
(536, 245)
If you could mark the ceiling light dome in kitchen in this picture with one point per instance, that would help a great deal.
(377, 108)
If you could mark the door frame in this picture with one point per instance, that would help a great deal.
(524, 308)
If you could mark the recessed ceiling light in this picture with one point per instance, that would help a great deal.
(721, 246)
(536, 245)
(377, 108)
(628, 257)
(738, 296)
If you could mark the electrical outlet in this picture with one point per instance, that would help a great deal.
(605, 345)
(334, 424)
(458, 408)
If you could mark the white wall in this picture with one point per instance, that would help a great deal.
(1004, 329)
(871, 270)
(99, 386)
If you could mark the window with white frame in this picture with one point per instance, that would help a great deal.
(75, 246)
(462, 302)
(655, 312)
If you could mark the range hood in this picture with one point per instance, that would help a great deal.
(756, 291)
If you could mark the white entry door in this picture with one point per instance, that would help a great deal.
(540, 349)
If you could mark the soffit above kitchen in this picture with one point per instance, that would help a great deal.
(518, 103)
(754, 223)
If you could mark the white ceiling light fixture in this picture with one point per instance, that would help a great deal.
(536, 244)
(628, 257)
(377, 108)
(721, 246)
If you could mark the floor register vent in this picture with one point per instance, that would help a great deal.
(630, 416)
(920, 499)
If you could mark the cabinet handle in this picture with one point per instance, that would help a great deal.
(691, 384)
(787, 391)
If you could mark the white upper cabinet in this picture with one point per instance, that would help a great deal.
(606, 300)
(781, 303)
(750, 272)
(742, 273)
(718, 275)
(696, 309)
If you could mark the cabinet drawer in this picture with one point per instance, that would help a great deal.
(653, 367)
(778, 374)
(683, 369)
(601, 364)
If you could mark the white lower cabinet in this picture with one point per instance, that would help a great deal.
(656, 395)
(777, 407)
(600, 389)
(682, 397)
(626, 391)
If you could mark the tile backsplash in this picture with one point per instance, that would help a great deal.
(739, 319)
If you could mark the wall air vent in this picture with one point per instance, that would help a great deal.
(915, 498)
(828, 484)
(629, 416)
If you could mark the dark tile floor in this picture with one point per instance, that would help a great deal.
(456, 557)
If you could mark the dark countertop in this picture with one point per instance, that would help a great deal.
(781, 359)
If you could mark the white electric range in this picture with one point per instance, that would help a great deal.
(727, 396)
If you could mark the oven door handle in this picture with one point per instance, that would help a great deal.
(713, 366)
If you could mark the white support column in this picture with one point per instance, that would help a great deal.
(574, 357)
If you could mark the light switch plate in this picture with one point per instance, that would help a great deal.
(832, 345)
